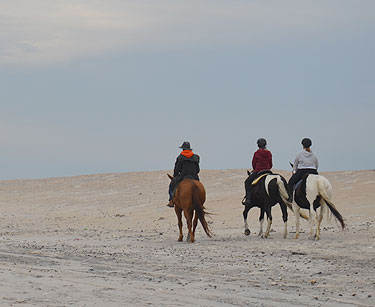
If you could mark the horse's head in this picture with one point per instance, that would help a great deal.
(170, 177)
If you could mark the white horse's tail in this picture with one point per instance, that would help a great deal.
(325, 191)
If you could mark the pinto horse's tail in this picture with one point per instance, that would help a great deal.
(323, 187)
(283, 190)
(199, 210)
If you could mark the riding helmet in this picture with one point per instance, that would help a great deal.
(262, 143)
(306, 142)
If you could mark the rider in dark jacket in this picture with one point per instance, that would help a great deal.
(186, 167)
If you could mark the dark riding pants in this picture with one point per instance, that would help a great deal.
(248, 182)
(297, 176)
(172, 186)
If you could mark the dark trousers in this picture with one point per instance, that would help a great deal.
(172, 186)
(297, 176)
(248, 182)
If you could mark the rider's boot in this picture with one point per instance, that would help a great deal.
(247, 200)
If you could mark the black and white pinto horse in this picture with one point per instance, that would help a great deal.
(267, 192)
(314, 193)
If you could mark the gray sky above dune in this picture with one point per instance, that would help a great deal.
(113, 86)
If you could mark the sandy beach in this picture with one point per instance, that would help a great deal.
(110, 240)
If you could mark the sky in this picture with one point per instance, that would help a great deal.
(98, 86)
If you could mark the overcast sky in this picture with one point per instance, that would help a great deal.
(89, 86)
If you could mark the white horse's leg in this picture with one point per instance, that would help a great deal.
(323, 208)
(296, 209)
(311, 222)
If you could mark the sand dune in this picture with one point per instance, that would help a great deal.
(109, 240)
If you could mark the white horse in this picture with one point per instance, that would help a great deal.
(314, 194)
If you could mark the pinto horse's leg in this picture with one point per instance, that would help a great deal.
(189, 220)
(285, 217)
(261, 220)
(269, 220)
(245, 212)
(179, 219)
(296, 209)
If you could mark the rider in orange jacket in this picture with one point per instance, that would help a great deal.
(186, 167)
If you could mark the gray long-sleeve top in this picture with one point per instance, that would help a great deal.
(305, 159)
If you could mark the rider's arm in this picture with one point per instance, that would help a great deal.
(254, 162)
(316, 163)
(270, 162)
(198, 168)
(296, 162)
(177, 167)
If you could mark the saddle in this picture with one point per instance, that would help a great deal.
(260, 176)
(298, 183)
(177, 180)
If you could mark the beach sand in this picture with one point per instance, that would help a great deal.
(110, 240)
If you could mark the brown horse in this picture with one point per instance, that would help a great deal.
(189, 197)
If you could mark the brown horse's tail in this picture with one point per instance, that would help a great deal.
(199, 210)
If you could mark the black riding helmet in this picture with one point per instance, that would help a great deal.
(306, 142)
(262, 143)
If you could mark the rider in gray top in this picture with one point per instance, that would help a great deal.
(305, 163)
(305, 159)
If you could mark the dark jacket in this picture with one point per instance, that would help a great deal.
(262, 160)
(186, 167)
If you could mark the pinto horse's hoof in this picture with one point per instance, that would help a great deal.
(247, 232)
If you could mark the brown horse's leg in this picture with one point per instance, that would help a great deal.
(179, 219)
(189, 219)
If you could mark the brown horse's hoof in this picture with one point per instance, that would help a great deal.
(247, 232)
(179, 239)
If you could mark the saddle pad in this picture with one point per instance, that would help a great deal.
(258, 178)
